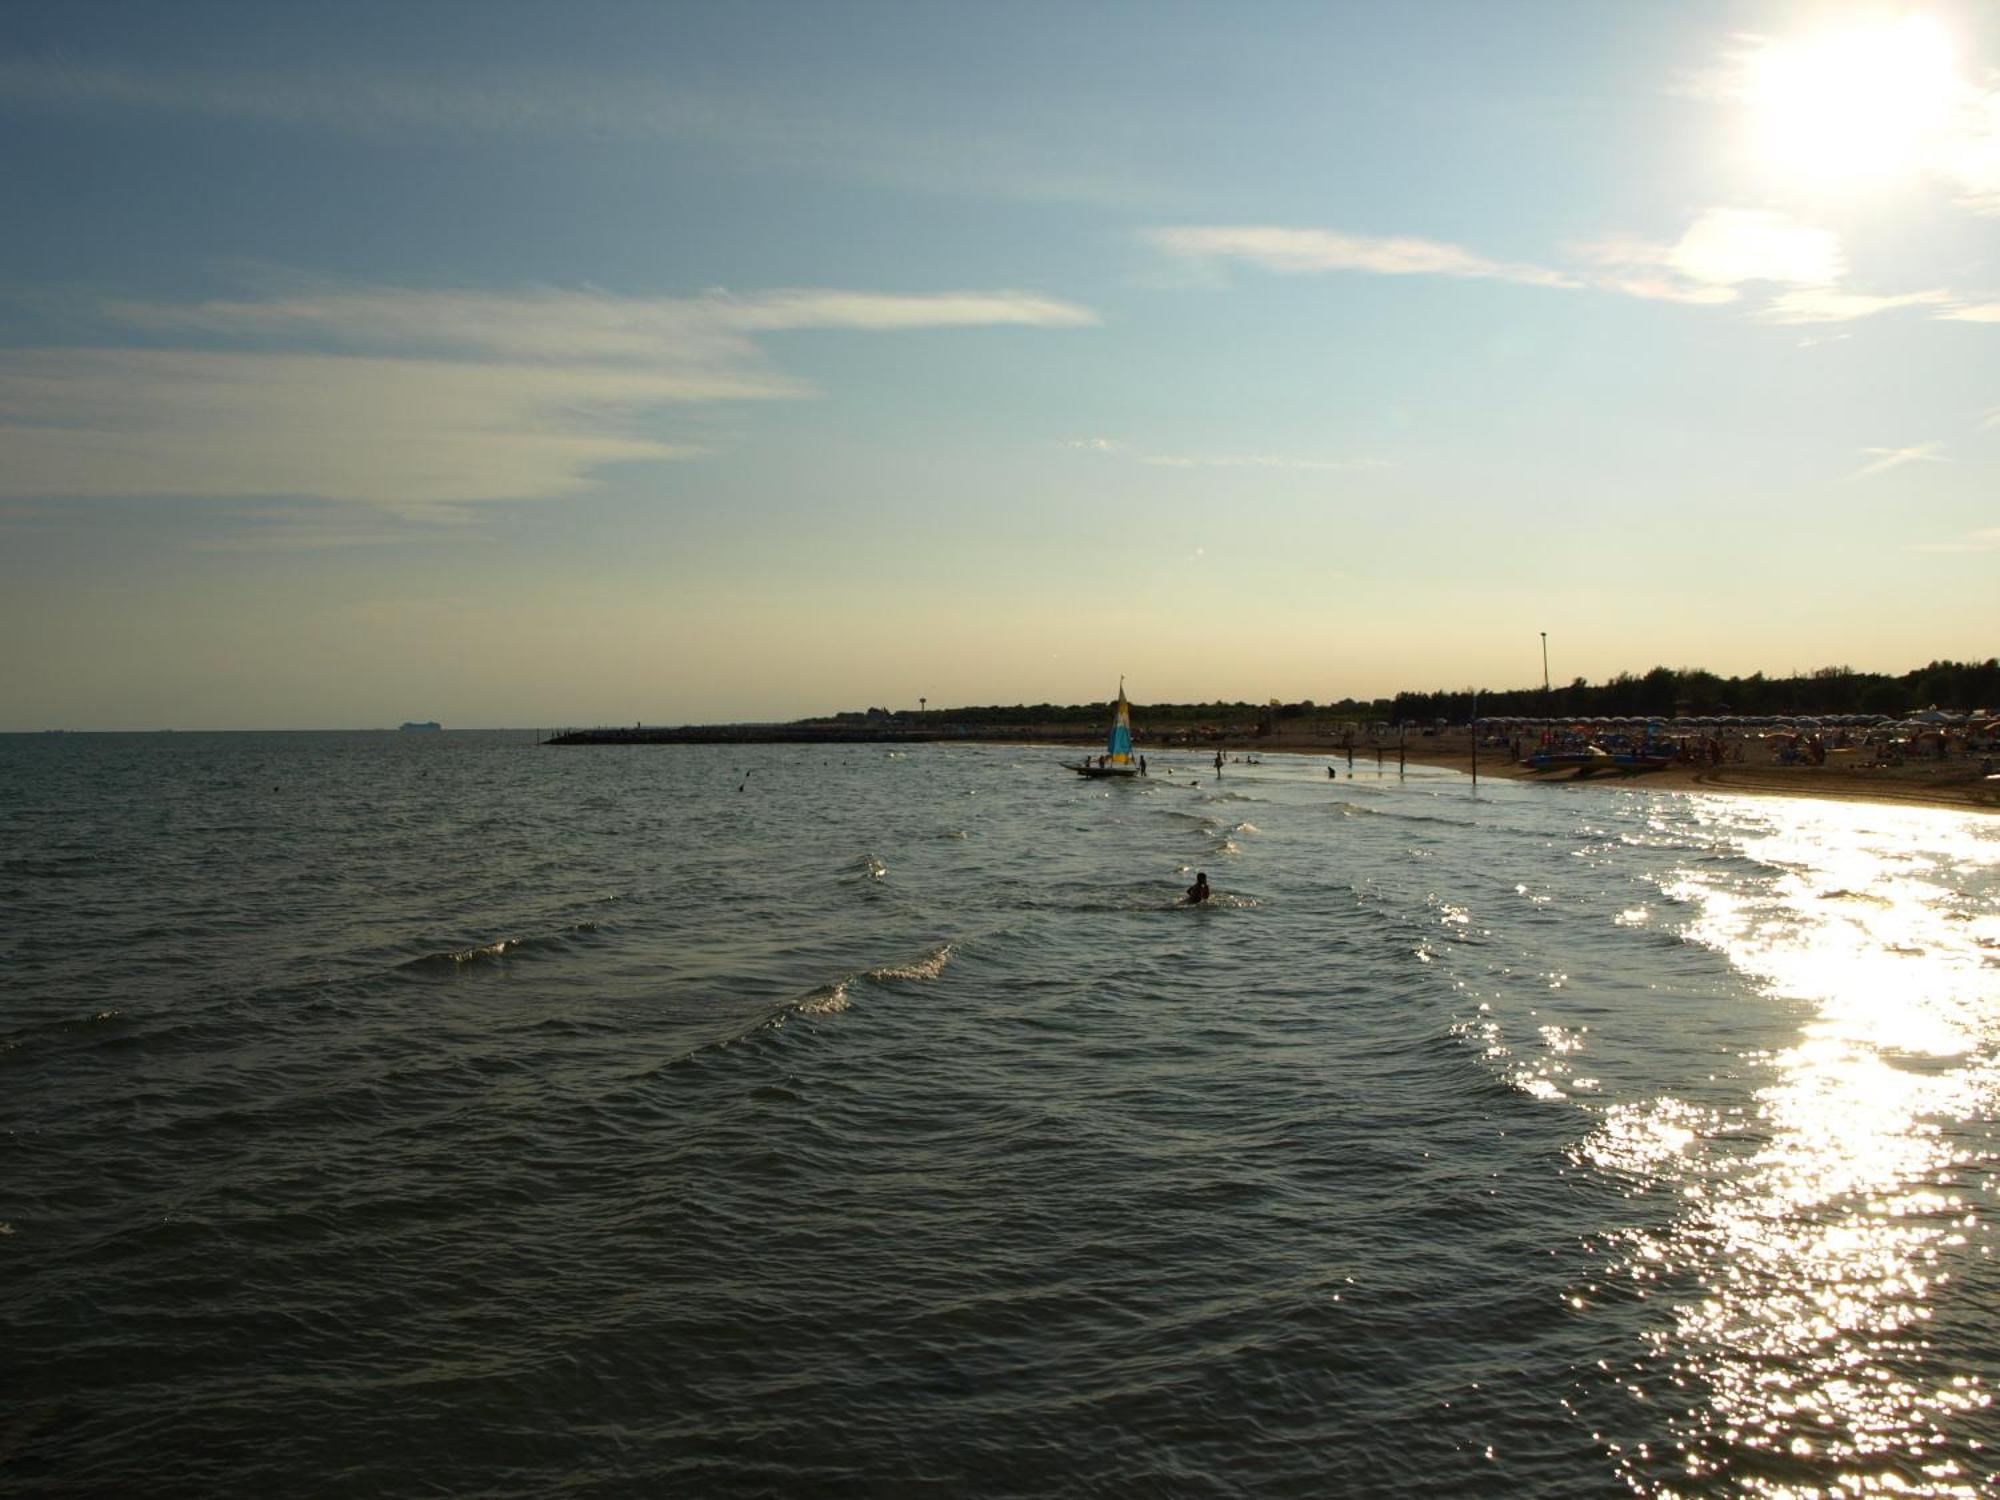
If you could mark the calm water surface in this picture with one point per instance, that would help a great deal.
(441, 1114)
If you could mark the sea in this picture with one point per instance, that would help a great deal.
(387, 1114)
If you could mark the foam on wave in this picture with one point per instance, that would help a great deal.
(928, 967)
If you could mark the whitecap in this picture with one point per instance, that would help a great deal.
(827, 1000)
(928, 967)
(489, 950)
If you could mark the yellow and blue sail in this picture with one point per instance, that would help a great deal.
(1118, 748)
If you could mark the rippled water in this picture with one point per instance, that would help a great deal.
(442, 1114)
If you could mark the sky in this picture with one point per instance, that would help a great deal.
(535, 366)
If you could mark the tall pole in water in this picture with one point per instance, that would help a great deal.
(1473, 726)
(1545, 680)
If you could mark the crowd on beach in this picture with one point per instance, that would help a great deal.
(1860, 740)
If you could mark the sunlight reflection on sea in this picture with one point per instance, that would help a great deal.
(1817, 1232)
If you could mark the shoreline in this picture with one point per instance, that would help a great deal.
(1958, 785)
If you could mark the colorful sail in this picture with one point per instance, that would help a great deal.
(1119, 746)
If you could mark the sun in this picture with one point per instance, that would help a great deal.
(1859, 105)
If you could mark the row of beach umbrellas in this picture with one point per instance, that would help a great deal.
(1930, 721)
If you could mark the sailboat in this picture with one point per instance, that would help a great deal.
(1117, 759)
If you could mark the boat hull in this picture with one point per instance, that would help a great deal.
(1107, 773)
(1589, 762)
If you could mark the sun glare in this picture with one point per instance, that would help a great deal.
(1857, 105)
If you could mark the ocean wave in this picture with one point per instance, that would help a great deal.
(827, 1000)
(14, 1040)
(928, 967)
(458, 958)
(832, 998)
(1535, 1085)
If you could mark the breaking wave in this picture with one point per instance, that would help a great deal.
(500, 948)
(928, 967)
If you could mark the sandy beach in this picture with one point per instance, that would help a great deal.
(1958, 782)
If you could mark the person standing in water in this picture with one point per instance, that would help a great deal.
(1218, 762)
(1198, 892)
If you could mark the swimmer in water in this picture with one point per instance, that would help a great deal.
(1198, 892)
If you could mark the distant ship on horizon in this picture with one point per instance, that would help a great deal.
(426, 726)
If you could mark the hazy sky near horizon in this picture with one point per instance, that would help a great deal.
(511, 364)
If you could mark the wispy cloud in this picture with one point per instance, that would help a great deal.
(1885, 459)
(1973, 312)
(402, 433)
(1824, 304)
(1972, 157)
(1225, 461)
(792, 131)
(1721, 254)
(1720, 251)
(1307, 251)
(1982, 539)
(412, 400)
(555, 324)
(1723, 249)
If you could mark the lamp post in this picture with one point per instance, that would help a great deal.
(1545, 664)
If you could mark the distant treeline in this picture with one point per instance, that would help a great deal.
(1663, 692)
(1667, 691)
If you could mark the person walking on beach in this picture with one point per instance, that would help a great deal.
(1198, 892)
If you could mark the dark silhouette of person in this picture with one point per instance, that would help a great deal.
(1199, 891)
